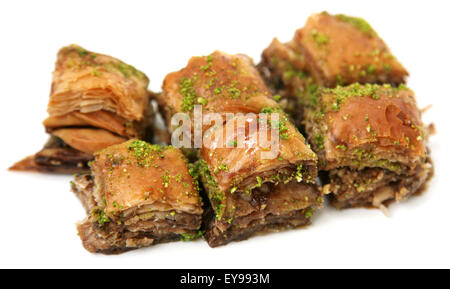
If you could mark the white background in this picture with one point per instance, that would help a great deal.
(38, 212)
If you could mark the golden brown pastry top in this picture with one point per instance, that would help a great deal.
(343, 50)
(135, 173)
(367, 125)
(236, 159)
(220, 82)
(87, 82)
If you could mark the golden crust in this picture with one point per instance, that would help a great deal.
(390, 119)
(134, 173)
(343, 50)
(356, 122)
(245, 161)
(222, 83)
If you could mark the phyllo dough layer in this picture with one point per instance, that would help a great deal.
(137, 195)
(86, 81)
(371, 140)
(95, 101)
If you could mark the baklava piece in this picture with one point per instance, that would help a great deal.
(329, 50)
(249, 191)
(219, 83)
(137, 195)
(95, 101)
(371, 141)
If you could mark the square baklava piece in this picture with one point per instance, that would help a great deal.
(137, 195)
(372, 143)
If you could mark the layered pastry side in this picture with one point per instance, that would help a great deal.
(95, 101)
(137, 195)
(251, 186)
(372, 143)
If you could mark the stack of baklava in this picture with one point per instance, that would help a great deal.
(248, 191)
(95, 101)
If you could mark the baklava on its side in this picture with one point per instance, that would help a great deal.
(95, 101)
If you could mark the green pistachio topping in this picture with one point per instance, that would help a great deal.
(358, 23)
(319, 38)
(189, 95)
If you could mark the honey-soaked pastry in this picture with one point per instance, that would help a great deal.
(329, 50)
(249, 191)
(371, 141)
(137, 195)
